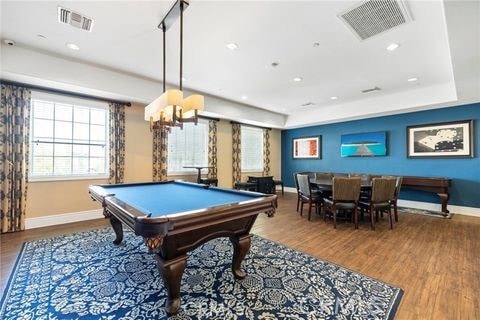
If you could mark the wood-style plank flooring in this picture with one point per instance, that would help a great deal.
(436, 261)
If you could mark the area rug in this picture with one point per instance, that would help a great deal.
(85, 276)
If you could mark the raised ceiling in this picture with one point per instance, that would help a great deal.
(306, 39)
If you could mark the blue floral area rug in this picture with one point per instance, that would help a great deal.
(85, 276)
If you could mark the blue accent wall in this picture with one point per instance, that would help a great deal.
(464, 172)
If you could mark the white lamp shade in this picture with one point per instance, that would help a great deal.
(153, 110)
(192, 103)
(164, 104)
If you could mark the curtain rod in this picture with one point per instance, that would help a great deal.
(64, 92)
(249, 125)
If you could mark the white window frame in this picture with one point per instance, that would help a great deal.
(248, 169)
(186, 171)
(92, 104)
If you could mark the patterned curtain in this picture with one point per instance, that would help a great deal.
(117, 142)
(14, 145)
(266, 152)
(212, 149)
(236, 153)
(160, 152)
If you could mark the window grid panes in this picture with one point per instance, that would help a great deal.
(252, 149)
(187, 147)
(68, 140)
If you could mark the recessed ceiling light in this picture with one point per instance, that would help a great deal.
(244, 97)
(297, 79)
(412, 79)
(392, 46)
(9, 42)
(333, 98)
(232, 46)
(72, 46)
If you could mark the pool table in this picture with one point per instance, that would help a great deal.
(175, 217)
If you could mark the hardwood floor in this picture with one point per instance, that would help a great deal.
(436, 261)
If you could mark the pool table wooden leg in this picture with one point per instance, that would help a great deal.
(172, 271)
(117, 227)
(241, 244)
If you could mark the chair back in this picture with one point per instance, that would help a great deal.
(296, 181)
(339, 174)
(323, 175)
(383, 189)
(364, 177)
(304, 184)
(265, 184)
(346, 189)
(310, 174)
(398, 186)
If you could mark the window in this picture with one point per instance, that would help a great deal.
(187, 147)
(68, 138)
(252, 149)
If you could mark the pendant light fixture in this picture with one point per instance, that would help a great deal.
(171, 109)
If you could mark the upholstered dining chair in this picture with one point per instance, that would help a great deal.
(393, 202)
(298, 190)
(383, 191)
(345, 196)
(308, 196)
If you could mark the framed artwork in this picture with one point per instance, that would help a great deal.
(307, 148)
(369, 144)
(447, 139)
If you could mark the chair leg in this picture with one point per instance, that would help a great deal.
(298, 202)
(390, 218)
(334, 212)
(282, 188)
(372, 218)
(301, 208)
(355, 217)
(396, 211)
(309, 210)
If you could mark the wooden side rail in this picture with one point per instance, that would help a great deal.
(437, 185)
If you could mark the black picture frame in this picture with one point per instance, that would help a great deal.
(452, 139)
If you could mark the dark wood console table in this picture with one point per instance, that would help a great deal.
(437, 185)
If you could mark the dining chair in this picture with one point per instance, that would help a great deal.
(345, 196)
(393, 202)
(308, 196)
(298, 190)
(383, 191)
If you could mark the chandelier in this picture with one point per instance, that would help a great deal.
(171, 109)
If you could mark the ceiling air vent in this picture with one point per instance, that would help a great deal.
(75, 19)
(372, 17)
(371, 90)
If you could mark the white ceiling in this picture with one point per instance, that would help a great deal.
(125, 39)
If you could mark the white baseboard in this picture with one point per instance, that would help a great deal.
(38, 222)
(468, 211)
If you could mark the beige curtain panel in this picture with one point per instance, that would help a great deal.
(266, 152)
(212, 149)
(236, 153)
(117, 142)
(160, 151)
(14, 140)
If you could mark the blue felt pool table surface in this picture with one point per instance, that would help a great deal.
(160, 199)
